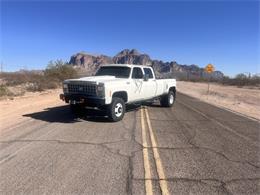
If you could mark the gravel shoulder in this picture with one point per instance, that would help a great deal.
(242, 100)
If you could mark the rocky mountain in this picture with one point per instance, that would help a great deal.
(132, 57)
(89, 63)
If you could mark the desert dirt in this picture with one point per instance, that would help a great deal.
(242, 100)
(13, 109)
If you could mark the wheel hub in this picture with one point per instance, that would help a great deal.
(171, 99)
(118, 109)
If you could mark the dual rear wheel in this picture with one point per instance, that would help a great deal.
(168, 99)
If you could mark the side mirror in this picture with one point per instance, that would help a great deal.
(146, 77)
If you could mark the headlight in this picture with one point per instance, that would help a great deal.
(100, 90)
(65, 88)
(65, 85)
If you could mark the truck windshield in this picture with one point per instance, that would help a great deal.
(117, 71)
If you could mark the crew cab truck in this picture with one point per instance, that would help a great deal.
(115, 85)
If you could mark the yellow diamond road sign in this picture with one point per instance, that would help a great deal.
(209, 68)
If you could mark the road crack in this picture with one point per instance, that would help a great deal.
(190, 140)
(208, 149)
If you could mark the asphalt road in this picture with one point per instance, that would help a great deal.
(192, 148)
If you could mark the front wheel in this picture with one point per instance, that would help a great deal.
(116, 109)
(168, 100)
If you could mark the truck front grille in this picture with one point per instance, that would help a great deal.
(88, 89)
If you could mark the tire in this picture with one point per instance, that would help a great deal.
(116, 109)
(168, 100)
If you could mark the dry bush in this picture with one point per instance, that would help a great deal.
(33, 81)
(43, 85)
(21, 77)
(59, 71)
(239, 80)
(4, 91)
(242, 80)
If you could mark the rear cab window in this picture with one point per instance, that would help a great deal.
(137, 73)
(149, 72)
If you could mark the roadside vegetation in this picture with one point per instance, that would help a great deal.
(240, 80)
(17, 83)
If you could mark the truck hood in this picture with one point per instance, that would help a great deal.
(95, 79)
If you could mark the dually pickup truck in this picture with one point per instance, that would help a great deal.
(115, 85)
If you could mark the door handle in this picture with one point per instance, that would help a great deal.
(128, 83)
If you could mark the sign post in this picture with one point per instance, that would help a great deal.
(209, 69)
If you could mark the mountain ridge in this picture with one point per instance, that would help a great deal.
(90, 63)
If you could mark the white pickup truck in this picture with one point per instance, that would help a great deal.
(115, 85)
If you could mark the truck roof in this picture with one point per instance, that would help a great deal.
(127, 65)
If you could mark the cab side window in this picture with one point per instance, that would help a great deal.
(149, 72)
(137, 73)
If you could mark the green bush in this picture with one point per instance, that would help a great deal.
(59, 71)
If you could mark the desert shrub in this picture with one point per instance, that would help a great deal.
(33, 81)
(241, 80)
(33, 87)
(21, 77)
(59, 71)
(4, 91)
(41, 85)
(47, 84)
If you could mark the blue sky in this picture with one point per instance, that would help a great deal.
(224, 33)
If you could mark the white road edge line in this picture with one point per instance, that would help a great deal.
(219, 123)
(224, 108)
